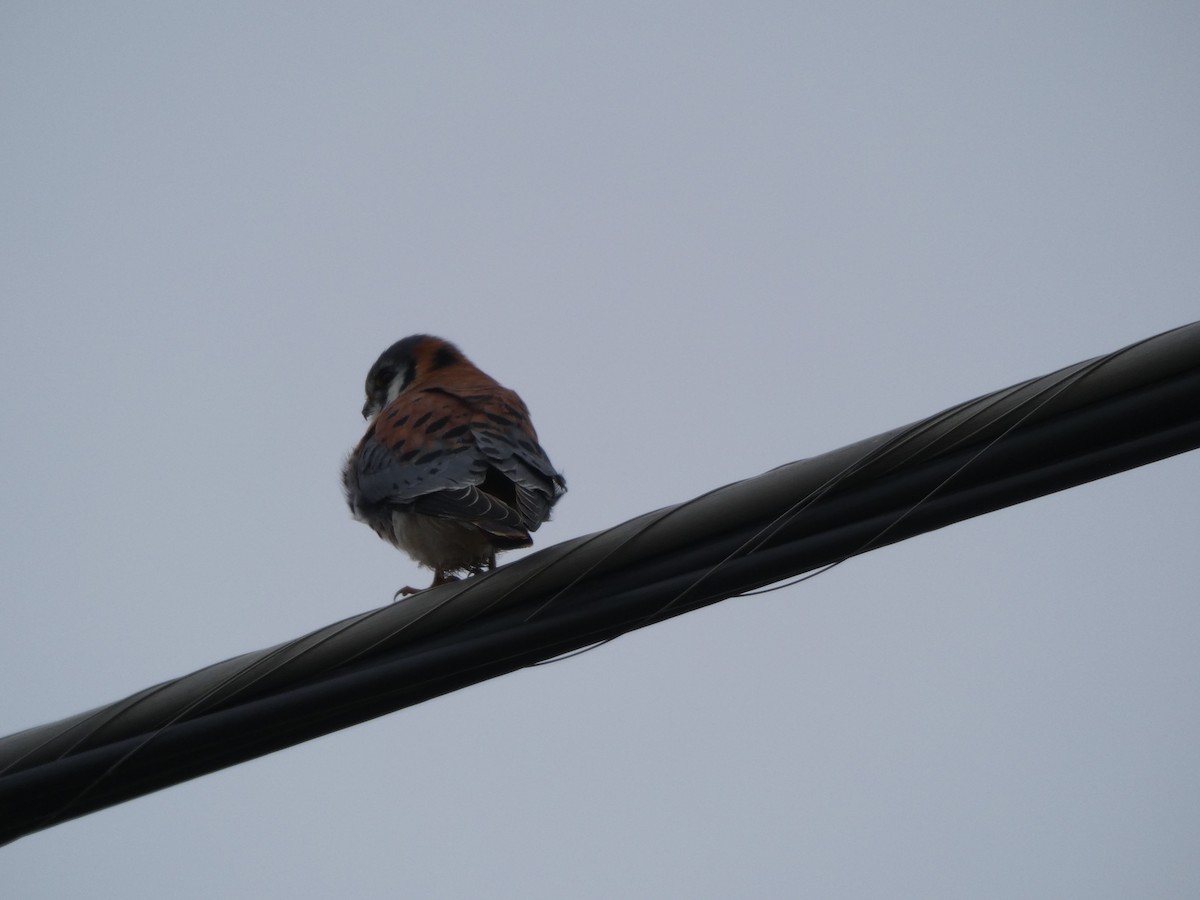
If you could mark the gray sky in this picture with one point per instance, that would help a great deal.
(701, 240)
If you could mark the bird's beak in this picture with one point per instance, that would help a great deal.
(367, 410)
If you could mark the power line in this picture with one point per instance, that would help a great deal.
(1087, 421)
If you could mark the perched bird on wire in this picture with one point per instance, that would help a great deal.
(450, 470)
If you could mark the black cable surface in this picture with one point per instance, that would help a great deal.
(1081, 423)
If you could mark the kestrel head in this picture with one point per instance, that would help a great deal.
(405, 362)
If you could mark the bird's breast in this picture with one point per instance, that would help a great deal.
(436, 542)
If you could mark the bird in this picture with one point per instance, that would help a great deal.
(450, 469)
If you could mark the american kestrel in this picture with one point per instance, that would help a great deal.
(450, 470)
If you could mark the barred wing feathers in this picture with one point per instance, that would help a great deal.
(466, 452)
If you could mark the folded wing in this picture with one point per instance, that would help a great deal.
(466, 455)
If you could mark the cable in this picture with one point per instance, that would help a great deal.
(1083, 422)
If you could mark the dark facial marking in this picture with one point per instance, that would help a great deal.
(410, 372)
(445, 356)
(384, 376)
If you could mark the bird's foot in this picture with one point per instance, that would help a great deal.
(439, 578)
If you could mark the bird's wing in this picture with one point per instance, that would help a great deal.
(523, 476)
(421, 453)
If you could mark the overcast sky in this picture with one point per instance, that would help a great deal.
(701, 240)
